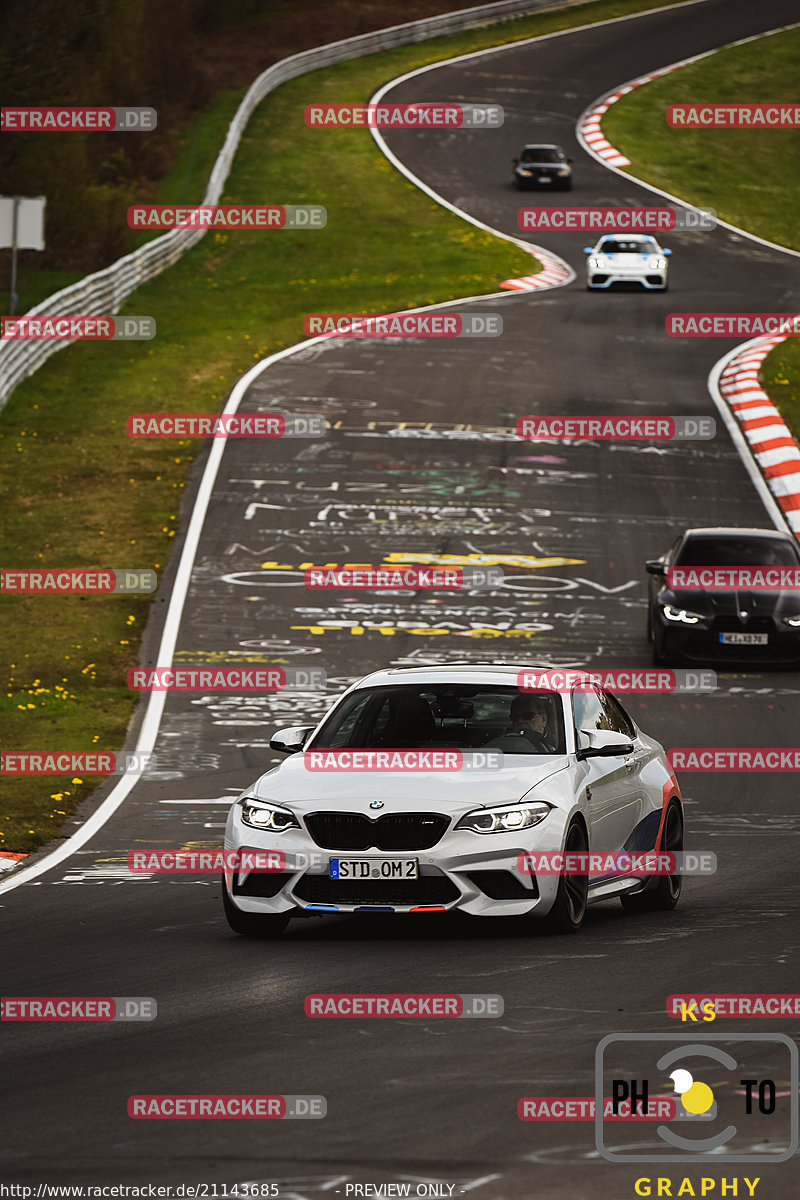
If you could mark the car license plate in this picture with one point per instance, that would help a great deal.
(374, 868)
(544, 179)
(744, 639)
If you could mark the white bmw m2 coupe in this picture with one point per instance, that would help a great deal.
(429, 789)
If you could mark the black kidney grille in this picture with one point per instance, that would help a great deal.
(728, 623)
(395, 831)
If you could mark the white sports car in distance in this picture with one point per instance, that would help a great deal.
(623, 258)
(347, 828)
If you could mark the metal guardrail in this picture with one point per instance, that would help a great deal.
(103, 292)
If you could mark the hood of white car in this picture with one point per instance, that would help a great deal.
(303, 790)
(633, 263)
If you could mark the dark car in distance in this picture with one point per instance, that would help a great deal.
(543, 166)
(701, 613)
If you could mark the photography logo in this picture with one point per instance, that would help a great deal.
(736, 1097)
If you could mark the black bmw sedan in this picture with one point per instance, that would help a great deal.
(726, 595)
(543, 167)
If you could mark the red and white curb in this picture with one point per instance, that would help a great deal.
(555, 273)
(589, 133)
(766, 432)
(9, 860)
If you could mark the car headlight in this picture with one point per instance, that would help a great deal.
(793, 621)
(563, 171)
(597, 262)
(505, 820)
(522, 171)
(259, 815)
(656, 263)
(681, 614)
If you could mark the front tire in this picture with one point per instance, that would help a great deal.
(566, 915)
(666, 893)
(254, 925)
(659, 658)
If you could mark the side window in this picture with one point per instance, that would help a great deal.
(616, 718)
(341, 730)
(587, 712)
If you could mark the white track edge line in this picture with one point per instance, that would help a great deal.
(740, 441)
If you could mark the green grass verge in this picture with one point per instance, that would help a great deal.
(780, 378)
(750, 177)
(76, 491)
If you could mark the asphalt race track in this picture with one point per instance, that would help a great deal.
(416, 1099)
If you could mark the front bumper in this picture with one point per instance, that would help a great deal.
(651, 281)
(475, 873)
(542, 179)
(700, 644)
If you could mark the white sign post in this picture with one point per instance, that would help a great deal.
(21, 228)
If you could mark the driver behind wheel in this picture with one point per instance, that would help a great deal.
(529, 718)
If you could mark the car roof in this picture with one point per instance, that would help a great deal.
(503, 674)
(709, 531)
(542, 146)
(629, 237)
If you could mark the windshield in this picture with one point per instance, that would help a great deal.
(460, 716)
(542, 154)
(628, 246)
(736, 552)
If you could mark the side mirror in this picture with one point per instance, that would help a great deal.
(291, 740)
(665, 251)
(515, 161)
(570, 160)
(602, 743)
(655, 566)
(588, 249)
